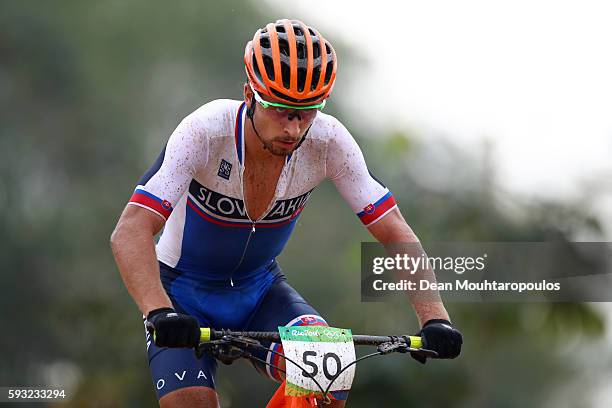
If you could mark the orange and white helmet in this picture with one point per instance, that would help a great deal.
(291, 63)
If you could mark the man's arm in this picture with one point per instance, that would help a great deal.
(132, 241)
(393, 229)
(134, 251)
(133, 246)
(376, 208)
(158, 191)
(437, 333)
(152, 203)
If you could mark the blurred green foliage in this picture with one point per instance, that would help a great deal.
(89, 93)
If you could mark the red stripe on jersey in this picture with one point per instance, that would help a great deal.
(151, 203)
(379, 211)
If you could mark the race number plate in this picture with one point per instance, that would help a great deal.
(322, 352)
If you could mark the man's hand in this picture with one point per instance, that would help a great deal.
(440, 336)
(173, 329)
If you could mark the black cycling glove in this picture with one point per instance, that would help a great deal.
(173, 329)
(440, 336)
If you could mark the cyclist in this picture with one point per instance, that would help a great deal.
(227, 189)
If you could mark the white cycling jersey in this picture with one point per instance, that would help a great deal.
(196, 186)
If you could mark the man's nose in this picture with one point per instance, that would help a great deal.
(292, 127)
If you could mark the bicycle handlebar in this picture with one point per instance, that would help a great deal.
(207, 334)
(228, 346)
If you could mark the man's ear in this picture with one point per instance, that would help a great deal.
(249, 100)
(248, 93)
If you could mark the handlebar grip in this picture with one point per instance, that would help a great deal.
(415, 342)
(204, 334)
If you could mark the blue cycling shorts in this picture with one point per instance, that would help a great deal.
(262, 305)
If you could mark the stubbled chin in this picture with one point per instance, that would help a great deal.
(280, 152)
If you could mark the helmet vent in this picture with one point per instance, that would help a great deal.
(316, 49)
(328, 72)
(283, 46)
(301, 79)
(256, 70)
(286, 74)
(301, 50)
(269, 64)
(316, 73)
(293, 100)
(265, 42)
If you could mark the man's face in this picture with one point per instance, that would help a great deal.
(280, 129)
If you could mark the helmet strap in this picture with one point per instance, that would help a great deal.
(251, 109)
(303, 138)
(250, 113)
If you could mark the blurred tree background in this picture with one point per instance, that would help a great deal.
(90, 92)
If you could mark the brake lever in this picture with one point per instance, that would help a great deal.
(208, 347)
(244, 342)
(235, 348)
(227, 349)
(402, 347)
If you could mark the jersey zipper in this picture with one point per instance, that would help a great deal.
(263, 215)
(253, 225)
(246, 246)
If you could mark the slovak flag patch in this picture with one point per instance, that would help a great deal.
(147, 200)
(373, 212)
